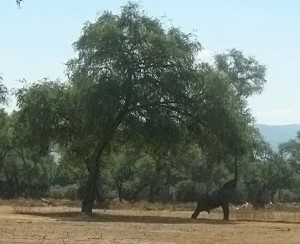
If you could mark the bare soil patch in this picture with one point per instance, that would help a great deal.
(20, 223)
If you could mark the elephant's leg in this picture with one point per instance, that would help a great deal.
(225, 207)
(196, 212)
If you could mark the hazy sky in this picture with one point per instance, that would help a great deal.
(36, 40)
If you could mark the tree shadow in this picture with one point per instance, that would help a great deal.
(107, 217)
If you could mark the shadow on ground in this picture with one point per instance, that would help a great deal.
(104, 217)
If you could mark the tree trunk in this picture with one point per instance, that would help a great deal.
(272, 195)
(93, 165)
(259, 201)
(91, 189)
(120, 191)
(151, 194)
(209, 174)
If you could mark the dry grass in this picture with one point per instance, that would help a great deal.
(267, 216)
(278, 213)
(22, 210)
(145, 206)
(284, 213)
(35, 222)
(287, 213)
(28, 202)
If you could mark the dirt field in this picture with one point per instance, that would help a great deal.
(62, 224)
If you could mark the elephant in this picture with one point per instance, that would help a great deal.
(219, 198)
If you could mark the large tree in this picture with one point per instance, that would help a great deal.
(131, 75)
(132, 81)
(230, 129)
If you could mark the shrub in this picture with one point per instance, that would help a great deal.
(188, 191)
(65, 192)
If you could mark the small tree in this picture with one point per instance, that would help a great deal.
(290, 151)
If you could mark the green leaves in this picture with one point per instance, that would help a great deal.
(246, 74)
(131, 71)
(290, 152)
(5, 136)
(3, 92)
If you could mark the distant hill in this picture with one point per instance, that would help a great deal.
(275, 134)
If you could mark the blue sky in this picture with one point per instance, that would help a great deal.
(36, 40)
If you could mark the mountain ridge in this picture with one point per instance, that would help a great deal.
(276, 134)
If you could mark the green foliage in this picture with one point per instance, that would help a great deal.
(3, 92)
(290, 152)
(65, 192)
(44, 107)
(229, 131)
(188, 191)
(235, 79)
(25, 177)
(247, 76)
(5, 140)
(23, 171)
(134, 75)
(131, 77)
(268, 176)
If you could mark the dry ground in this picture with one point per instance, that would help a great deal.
(26, 223)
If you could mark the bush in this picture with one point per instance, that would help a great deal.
(65, 192)
(289, 196)
(188, 191)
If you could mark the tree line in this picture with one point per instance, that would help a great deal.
(142, 117)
